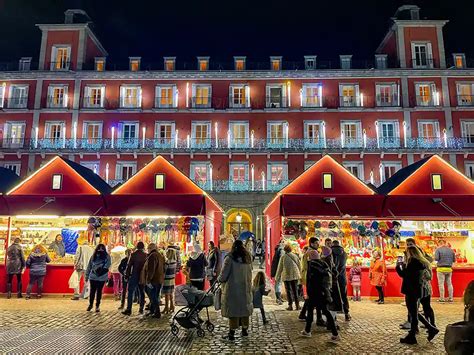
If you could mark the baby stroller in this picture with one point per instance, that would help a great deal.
(188, 316)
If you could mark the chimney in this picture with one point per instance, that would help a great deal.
(408, 12)
(69, 15)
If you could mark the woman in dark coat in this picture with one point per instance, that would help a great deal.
(15, 266)
(413, 283)
(36, 262)
(273, 271)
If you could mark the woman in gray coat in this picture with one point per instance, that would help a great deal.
(15, 266)
(237, 298)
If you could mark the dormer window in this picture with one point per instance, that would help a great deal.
(275, 63)
(310, 62)
(381, 61)
(239, 63)
(346, 61)
(99, 64)
(459, 60)
(24, 64)
(135, 63)
(169, 63)
(203, 63)
(422, 55)
(57, 182)
(60, 57)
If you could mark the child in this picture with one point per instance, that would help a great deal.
(121, 269)
(355, 278)
(258, 292)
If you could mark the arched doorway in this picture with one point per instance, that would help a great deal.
(238, 219)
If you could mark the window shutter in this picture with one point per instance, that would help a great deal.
(122, 96)
(53, 59)
(47, 130)
(429, 54)
(139, 96)
(231, 94)
(65, 96)
(23, 129)
(120, 130)
(434, 96)
(2, 95)
(267, 94)
(247, 95)
(175, 96)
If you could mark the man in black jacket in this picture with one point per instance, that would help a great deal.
(273, 270)
(339, 258)
(132, 274)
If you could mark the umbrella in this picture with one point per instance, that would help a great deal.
(246, 235)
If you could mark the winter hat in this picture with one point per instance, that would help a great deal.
(325, 251)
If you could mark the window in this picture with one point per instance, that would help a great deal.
(57, 182)
(169, 63)
(381, 61)
(459, 60)
(200, 173)
(436, 182)
(469, 167)
(327, 181)
(356, 168)
(277, 175)
(467, 132)
(135, 63)
(351, 134)
(99, 63)
(276, 134)
(14, 134)
(57, 96)
(92, 133)
(275, 63)
(428, 132)
(388, 134)
(166, 96)
(2, 95)
(239, 63)
(201, 134)
(239, 134)
(24, 64)
(130, 96)
(311, 95)
(202, 96)
(13, 166)
(239, 96)
(465, 93)
(387, 94)
(91, 165)
(164, 134)
(159, 181)
(54, 133)
(203, 63)
(309, 62)
(389, 169)
(18, 96)
(60, 57)
(426, 94)
(276, 96)
(349, 95)
(94, 96)
(125, 170)
(314, 134)
(422, 55)
(239, 176)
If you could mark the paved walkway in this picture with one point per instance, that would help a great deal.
(55, 325)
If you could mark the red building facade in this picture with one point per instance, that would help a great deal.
(243, 132)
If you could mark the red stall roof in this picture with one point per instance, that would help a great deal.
(327, 189)
(159, 189)
(61, 187)
(429, 188)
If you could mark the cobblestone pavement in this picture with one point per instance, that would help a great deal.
(56, 325)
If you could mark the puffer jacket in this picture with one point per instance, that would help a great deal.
(15, 259)
(289, 268)
(36, 262)
(97, 266)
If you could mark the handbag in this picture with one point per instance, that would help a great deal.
(74, 280)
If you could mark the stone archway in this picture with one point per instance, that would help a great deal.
(232, 224)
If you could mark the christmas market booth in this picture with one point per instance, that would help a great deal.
(64, 202)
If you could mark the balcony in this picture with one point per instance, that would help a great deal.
(56, 102)
(350, 101)
(16, 102)
(130, 103)
(201, 102)
(164, 102)
(93, 102)
(238, 103)
(311, 102)
(242, 186)
(387, 100)
(427, 101)
(276, 102)
(423, 63)
(465, 100)
(61, 65)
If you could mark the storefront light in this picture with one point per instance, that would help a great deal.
(29, 216)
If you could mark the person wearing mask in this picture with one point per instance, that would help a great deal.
(97, 274)
(213, 263)
(36, 262)
(289, 271)
(15, 266)
(274, 266)
(196, 267)
(445, 258)
(58, 246)
(319, 290)
(339, 258)
(378, 275)
(237, 298)
(81, 261)
(170, 276)
(411, 271)
(132, 275)
(122, 269)
(153, 277)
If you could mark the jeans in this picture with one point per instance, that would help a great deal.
(428, 310)
(85, 289)
(445, 277)
(291, 289)
(412, 307)
(343, 288)
(304, 312)
(329, 318)
(38, 279)
(124, 292)
(96, 292)
(117, 277)
(380, 292)
(154, 295)
(133, 285)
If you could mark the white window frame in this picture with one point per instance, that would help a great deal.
(394, 94)
(355, 164)
(10, 164)
(87, 95)
(158, 96)
(357, 143)
(388, 142)
(246, 139)
(2, 95)
(318, 98)
(207, 165)
(429, 54)
(126, 102)
(23, 97)
(239, 185)
(127, 143)
(464, 124)
(194, 98)
(158, 142)
(284, 181)
(346, 101)
(207, 143)
(64, 102)
(283, 97)
(54, 52)
(246, 101)
(461, 100)
(423, 122)
(433, 98)
(91, 165)
(270, 140)
(92, 141)
(308, 141)
(469, 169)
(126, 164)
(47, 129)
(389, 164)
(8, 140)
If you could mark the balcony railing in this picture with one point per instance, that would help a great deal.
(243, 186)
(165, 102)
(56, 102)
(93, 102)
(201, 102)
(425, 63)
(387, 101)
(311, 101)
(465, 100)
(427, 100)
(350, 101)
(61, 65)
(276, 101)
(16, 102)
(238, 102)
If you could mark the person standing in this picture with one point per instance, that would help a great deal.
(57, 246)
(412, 272)
(260, 253)
(36, 262)
(236, 280)
(289, 271)
(132, 275)
(355, 278)
(153, 277)
(378, 275)
(445, 258)
(122, 269)
(275, 261)
(339, 258)
(97, 274)
(170, 276)
(116, 255)
(196, 267)
(15, 266)
(259, 290)
(213, 263)
(81, 261)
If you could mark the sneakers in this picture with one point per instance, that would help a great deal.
(441, 300)
(305, 334)
(97, 309)
(432, 333)
(75, 298)
(302, 319)
(89, 308)
(289, 308)
(335, 338)
(230, 336)
(406, 325)
(450, 300)
(381, 302)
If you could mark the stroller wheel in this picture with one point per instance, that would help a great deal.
(210, 327)
(174, 329)
(200, 333)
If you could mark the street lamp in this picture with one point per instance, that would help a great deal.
(238, 218)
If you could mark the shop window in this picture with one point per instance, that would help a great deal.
(436, 182)
(159, 181)
(327, 181)
(57, 183)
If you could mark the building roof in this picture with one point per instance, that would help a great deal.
(8, 179)
(399, 177)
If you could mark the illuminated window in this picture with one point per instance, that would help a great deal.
(465, 93)
(60, 57)
(436, 182)
(201, 134)
(57, 96)
(135, 63)
(349, 95)
(239, 133)
(239, 64)
(202, 96)
(130, 96)
(327, 181)
(275, 63)
(169, 63)
(459, 60)
(428, 129)
(94, 96)
(277, 174)
(99, 63)
(159, 181)
(426, 94)
(467, 132)
(57, 182)
(311, 95)
(165, 96)
(275, 133)
(203, 63)
(239, 96)
(313, 134)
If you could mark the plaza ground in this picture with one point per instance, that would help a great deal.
(57, 325)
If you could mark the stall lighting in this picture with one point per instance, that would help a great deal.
(52, 228)
(216, 129)
(247, 94)
(30, 216)
(377, 133)
(143, 136)
(252, 138)
(372, 177)
(74, 135)
(238, 218)
(36, 137)
(187, 95)
(301, 97)
(112, 139)
(362, 99)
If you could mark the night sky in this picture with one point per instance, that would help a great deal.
(222, 29)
